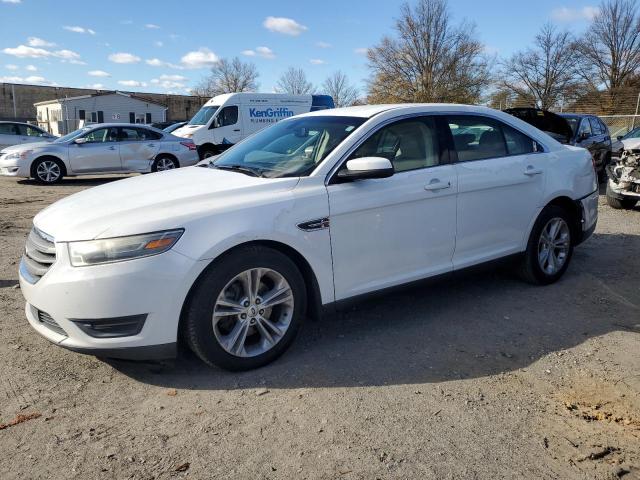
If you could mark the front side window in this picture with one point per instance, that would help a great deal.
(409, 144)
(290, 148)
(30, 131)
(204, 115)
(585, 129)
(595, 126)
(228, 116)
(635, 133)
(102, 135)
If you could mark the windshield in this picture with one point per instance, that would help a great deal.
(635, 133)
(204, 115)
(72, 135)
(291, 148)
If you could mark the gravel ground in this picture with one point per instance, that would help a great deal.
(478, 376)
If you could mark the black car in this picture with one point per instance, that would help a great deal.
(581, 130)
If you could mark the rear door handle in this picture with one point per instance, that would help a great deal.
(530, 171)
(112, 148)
(436, 184)
(236, 129)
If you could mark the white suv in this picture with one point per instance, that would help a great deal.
(314, 210)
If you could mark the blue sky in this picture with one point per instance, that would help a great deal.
(162, 46)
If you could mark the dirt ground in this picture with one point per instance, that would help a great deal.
(476, 377)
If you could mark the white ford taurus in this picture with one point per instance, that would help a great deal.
(314, 210)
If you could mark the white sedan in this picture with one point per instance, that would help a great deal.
(315, 210)
(19, 133)
(98, 149)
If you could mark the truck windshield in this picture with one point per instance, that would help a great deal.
(204, 115)
(290, 148)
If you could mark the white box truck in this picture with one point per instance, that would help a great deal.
(226, 119)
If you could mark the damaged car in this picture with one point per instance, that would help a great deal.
(623, 188)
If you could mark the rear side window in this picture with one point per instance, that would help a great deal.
(137, 134)
(409, 144)
(517, 143)
(8, 129)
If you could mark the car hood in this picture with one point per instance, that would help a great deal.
(631, 143)
(548, 122)
(186, 129)
(153, 202)
(26, 146)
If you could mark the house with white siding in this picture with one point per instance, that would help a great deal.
(63, 115)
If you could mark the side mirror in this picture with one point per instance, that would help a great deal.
(583, 136)
(366, 167)
(80, 141)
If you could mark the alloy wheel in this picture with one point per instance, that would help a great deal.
(554, 245)
(253, 312)
(48, 171)
(165, 164)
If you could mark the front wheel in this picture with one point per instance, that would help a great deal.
(47, 170)
(549, 248)
(246, 309)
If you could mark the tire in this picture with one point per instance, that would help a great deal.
(208, 152)
(164, 162)
(47, 170)
(219, 301)
(618, 203)
(532, 268)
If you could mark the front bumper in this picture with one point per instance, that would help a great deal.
(154, 286)
(13, 168)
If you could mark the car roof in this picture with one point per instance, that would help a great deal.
(368, 111)
(19, 123)
(576, 115)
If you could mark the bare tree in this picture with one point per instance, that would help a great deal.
(294, 81)
(337, 85)
(228, 76)
(429, 60)
(611, 46)
(546, 74)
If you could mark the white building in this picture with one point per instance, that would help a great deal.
(64, 115)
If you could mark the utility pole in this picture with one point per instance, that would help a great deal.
(633, 123)
(13, 96)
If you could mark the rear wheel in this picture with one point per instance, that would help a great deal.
(246, 309)
(47, 170)
(164, 162)
(550, 247)
(615, 201)
(208, 152)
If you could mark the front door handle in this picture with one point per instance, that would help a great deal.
(112, 148)
(151, 145)
(436, 184)
(531, 171)
(236, 129)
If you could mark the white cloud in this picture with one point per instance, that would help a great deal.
(97, 86)
(361, 51)
(565, 14)
(33, 79)
(31, 68)
(317, 61)
(132, 83)
(78, 29)
(264, 52)
(11, 79)
(98, 73)
(11, 67)
(152, 26)
(201, 58)
(23, 51)
(38, 42)
(15, 2)
(287, 26)
(156, 62)
(170, 81)
(123, 57)
(323, 45)
(158, 43)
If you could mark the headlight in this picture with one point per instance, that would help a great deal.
(17, 155)
(93, 252)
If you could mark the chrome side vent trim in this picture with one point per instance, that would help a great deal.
(47, 320)
(313, 225)
(39, 255)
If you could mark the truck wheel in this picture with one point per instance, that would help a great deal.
(246, 309)
(47, 170)
(618, 202)
(549, 248)
(208, 152)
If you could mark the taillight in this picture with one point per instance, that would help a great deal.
(189, 145)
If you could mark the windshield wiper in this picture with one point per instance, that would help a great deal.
(238, 168)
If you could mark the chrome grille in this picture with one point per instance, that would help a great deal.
(39, 255)
(48, 321)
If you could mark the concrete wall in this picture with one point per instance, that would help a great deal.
(180, 107)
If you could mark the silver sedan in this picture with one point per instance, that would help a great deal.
(99, 149)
